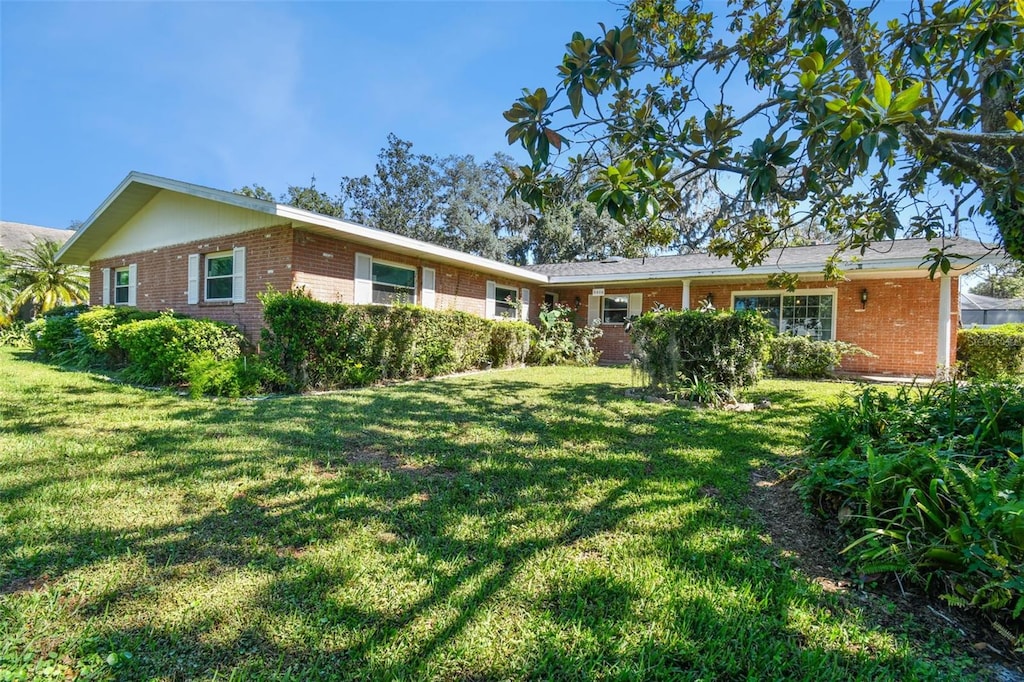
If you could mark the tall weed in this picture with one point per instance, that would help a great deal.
(930, 482)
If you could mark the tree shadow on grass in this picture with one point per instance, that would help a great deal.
(516, 474)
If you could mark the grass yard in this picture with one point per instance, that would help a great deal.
(528, 524)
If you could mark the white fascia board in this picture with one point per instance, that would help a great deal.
(389, 241)
(95, 214)
(158, 182)
(901, 264)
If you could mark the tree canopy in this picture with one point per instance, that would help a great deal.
(459, 202)
(794, 112)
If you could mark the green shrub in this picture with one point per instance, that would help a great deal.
(511, 342)
(992, 352)
(726, 348)
(53, 334)
(242, 376)
(80, 336)
(805, 358)
(15, 335)
(559, 341)
(331, 345)
(930, 482)
(161, 350)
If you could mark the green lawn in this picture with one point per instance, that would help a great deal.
(527, 524)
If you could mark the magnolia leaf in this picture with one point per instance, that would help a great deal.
(908, 100)
(1012, 122)
(883, 91)
(554, 138)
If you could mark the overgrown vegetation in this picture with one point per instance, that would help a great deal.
(560, 341)
(152, 348)
(331, 345)
(929, 483)
(992, 352)
(706, 355)
(163, 350)
(511, 342)
(802, 357)
(530, 524)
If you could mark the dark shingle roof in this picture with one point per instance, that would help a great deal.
(970, 301)
(794, 258)
(19, 236)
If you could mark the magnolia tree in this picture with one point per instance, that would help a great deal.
(808, 113)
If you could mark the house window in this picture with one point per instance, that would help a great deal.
(801, 313)
(220, 270)
(614, 309)
(505, 302)
(393, 284)
(122, 283)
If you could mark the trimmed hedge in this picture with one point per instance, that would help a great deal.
(725, 348)
(993, 352)
(802, 357)
(332, 345)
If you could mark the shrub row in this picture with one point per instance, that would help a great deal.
(801, 357)
(152, 348)
(930, 484)
(991, 352)
(725, 349)
(331, 345)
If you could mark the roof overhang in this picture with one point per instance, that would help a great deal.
(137, 189)
(903, 267)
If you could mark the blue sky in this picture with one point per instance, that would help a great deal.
(233, 93)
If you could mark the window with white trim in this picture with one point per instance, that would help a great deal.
(506, 302)
(220, 276)
(801, 313)
(614, 309)
(122, 284)
(392, 284)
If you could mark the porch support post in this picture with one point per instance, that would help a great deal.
(945, 322)
(686, 294)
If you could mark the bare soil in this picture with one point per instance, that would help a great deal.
(814, 550)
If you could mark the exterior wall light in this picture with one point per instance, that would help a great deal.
(863, 298)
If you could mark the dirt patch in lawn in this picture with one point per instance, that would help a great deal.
(23, 586)
(391, 463)
(814, 550)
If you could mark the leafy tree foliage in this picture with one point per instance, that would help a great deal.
(36, 278)
(792, 111)
(1000, 281)
(460, 203)
(453, 201)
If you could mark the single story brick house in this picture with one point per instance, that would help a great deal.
(158, 243)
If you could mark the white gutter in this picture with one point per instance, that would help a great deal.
(903, 264)
(389, 239)
(367, 234)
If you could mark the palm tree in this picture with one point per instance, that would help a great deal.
(40, 280)
(7, 291)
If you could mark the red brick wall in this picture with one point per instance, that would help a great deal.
(163, 276)
(899, 324)
(326, 268)
(283, 257)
